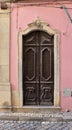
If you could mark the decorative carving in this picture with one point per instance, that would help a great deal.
(29, 40)
(30, 94)
(46, 94)
(39, 23)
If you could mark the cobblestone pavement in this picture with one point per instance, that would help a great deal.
(36, 121)
(34, 125)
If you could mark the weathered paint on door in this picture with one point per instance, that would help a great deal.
(38, 69)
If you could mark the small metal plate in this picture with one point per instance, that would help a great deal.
(67, 92)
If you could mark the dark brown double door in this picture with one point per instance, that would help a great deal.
(38, 69)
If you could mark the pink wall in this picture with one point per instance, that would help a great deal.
(57, 19)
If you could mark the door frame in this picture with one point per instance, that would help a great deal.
(42, 26)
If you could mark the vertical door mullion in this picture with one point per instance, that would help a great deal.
(39, 40)
(37, 66)
(36, 70)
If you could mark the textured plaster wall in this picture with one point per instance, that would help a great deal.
(20, 18)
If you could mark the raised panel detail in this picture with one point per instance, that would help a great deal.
(30, 94)
(30, 64)
(30, 39)
(46, 64)
(46, 96)
(45, 40)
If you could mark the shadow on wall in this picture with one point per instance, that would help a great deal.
(6, 107)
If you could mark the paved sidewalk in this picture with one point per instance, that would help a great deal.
(50, 116)
(34, 125)
(36, 121)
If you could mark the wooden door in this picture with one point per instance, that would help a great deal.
(38, 69)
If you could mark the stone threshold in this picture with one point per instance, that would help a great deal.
(30, 109)
(50, 116)
(36, 114)
(37, 109)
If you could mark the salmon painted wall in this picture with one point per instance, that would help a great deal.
(56, 17)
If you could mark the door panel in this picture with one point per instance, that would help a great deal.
(30, 63)
(38, 69)
(46, 63)
(46, 94)
(46, 69)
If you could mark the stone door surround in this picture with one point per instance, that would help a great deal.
(40, 25)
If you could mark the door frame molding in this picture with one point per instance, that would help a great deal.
(42, 26)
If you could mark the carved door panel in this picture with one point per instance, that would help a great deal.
(38, 69)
